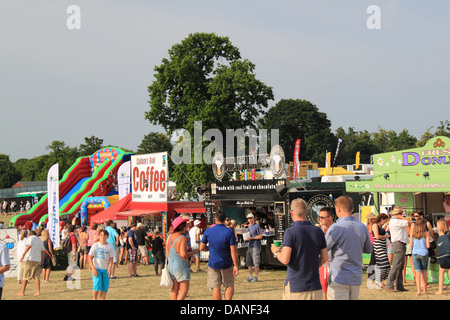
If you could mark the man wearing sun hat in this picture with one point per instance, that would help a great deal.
(399, 238)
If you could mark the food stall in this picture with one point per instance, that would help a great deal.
(266, 188)
(237, 198)
(417, 179)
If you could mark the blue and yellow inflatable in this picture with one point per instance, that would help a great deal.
(91, 201)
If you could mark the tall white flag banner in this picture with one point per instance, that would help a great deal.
(53, 204)
(124, 179)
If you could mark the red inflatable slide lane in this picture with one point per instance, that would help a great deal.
(82, 170)
(88, 187)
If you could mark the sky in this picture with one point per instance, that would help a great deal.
(58, 83)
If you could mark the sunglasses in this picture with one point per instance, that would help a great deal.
(320, 217)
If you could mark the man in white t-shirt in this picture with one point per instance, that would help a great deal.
(399, 238)
(101, 261)
(194, 234)
(32, 258)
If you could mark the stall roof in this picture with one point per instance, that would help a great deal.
(136, 213)
(191, 210)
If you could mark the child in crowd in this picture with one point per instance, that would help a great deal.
(101, 260)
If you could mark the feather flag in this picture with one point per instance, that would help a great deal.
(53, 204)
(296, 164)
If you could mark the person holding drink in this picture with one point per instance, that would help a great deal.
(302, 244)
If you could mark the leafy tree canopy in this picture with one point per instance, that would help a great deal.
(205, 79)
(9, 175)
(300, 119)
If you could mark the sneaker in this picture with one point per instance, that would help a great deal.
(255, 279)
(249, 279)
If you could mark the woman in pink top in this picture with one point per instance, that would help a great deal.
(92, 236)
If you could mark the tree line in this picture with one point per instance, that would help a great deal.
(36, 169)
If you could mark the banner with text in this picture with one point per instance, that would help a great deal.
(53, 204)
(150, 175)
(124, 179)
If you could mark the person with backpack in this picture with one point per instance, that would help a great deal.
(70, 246)
(443, 250)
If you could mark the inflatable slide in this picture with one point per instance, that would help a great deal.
(90, 176)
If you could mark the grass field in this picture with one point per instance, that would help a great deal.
(147, 287)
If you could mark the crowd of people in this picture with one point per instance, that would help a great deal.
(13, 207)
(101, 249)
(397, 239)
(323, 262)
(390, 238)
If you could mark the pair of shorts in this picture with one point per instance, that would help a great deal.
(143, 250)
(83, 250)
(101, 281)
(133, 255)
(217, 277)
(305, 295)
(253, 257)
(31, 270)
(180, 273)
(420, 263)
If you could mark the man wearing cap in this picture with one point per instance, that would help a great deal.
(253, 256)
(132, 247)
(194, 234)
(399, 239)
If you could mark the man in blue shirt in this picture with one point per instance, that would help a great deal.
(223, 258)
(304, 251)
(113, 239)
(347, 240)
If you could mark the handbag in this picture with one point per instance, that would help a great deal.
(54, 261)
(166, 280)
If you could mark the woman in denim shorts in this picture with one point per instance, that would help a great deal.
(420, 242)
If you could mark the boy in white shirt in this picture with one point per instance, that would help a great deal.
(101, 258)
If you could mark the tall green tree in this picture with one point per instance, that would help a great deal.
(301, 119)
(59, 153)
(442, 130)
(352, 142)
(90, 146)
(9, 175)
(205, 79)
(30, 168)
(154, 142)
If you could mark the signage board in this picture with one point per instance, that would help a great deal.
(424, 169)
(150, 175)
